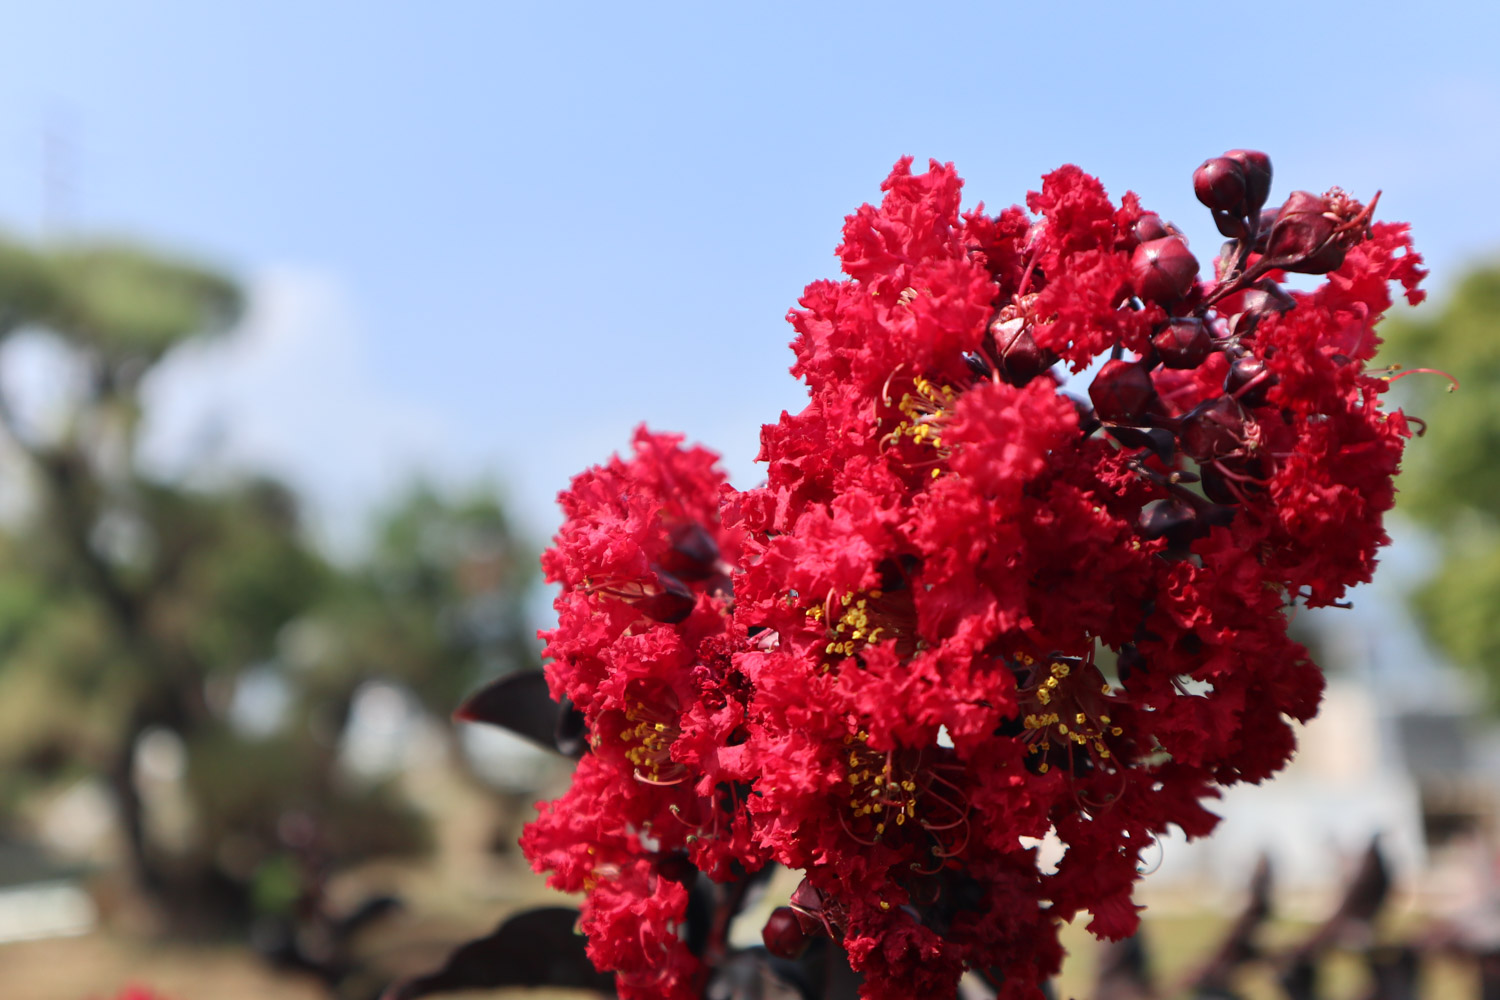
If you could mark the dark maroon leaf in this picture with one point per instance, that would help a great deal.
(1158, 439)
(570, 734)
(521, 703)
(672, 603)
(1172, 519)
(693, 554)
(1264, 298)
(534, 948)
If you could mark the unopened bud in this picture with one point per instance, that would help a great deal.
(1330, 258)
(1163, 270)
(1220, 184)
(1149, 227)
(1263, 230)
(1257, 169)
(1183, 343)
(1212, 429)
(1021, 360)
(1230, 225)
(1248, 380)
(1302, 238)
(1122, 392)
(783, 933)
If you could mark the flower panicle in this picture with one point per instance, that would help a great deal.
(978, 600)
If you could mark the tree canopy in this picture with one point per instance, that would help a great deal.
(137, 607)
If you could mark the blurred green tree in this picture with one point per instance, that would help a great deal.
(1450, 482)
(436, 603)
(138, 611)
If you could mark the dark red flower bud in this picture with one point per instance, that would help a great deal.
(783, 933)
(1149, 227)
(1230, 225)
(1122, 392)
(1183, 343)
(1220, 184)
(1163, 270)
(1257, 169)
(1302, 237)
(1330, 258)
(672, 602)
(1248, 380)
(1021, 360)
(693, 554)
(1212, 429)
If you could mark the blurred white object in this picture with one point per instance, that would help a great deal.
(45, 909)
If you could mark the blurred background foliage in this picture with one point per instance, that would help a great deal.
(183, 642)
(1450, 482)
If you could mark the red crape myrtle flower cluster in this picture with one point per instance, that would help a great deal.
(982, 597)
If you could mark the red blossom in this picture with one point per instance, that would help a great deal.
(966, 610)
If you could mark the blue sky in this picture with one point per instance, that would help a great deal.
(488, 239)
